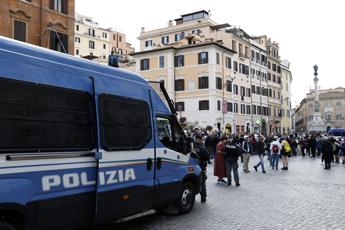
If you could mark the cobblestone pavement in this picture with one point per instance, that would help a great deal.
(305, 197)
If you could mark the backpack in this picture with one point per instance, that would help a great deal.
(275, 149)
(287, 147)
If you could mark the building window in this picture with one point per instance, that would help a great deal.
(145, 64)
(148, 43)
(243, 109)
(114, 37)
(258, 110)
(179, 36)
(253, 89)
(91, 44)
(217, 59)
(104, 35)
(165, 40)
(104, 46)
(258, 91)
(246, 52)
(218, 105)
(204, 105)
(77, 52)
(203, 82)
(229, 107)
(243, 91)
(235, 89)
(248, 109)
(248, 92)
(120, 38)
(228, 62)
(254, 109)
(219, 83)
(274, 67)
(59, 5)
(235, 108)
(234, 45)
(58, 42)
(179, 85)
(338, 117)
(77, 27)
(179, 106)
(229, 86)
(92, 32)
(203, 58)
(77, 40)
(235, 66)
(161, 61)
(19, 30)
(278, 80)
(179, 61)
(240, 50)
(338, 103)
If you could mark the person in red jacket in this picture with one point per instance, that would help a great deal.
(219, 163)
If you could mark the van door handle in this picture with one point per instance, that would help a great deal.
(159, 163)
(148, 164)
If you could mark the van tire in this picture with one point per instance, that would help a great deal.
(186, 198)
(6, 226)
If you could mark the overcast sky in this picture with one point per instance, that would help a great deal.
(308, 32)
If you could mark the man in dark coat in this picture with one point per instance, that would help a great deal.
(204, 157)
(232, 153)
(327, 153)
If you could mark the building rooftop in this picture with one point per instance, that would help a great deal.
(180, 47)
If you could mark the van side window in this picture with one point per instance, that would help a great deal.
(125, 123)
(37, 117)
(171, 135)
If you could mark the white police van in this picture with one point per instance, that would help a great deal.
(82, 143)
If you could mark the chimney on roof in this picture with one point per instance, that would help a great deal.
(142, 29)
(170, 24)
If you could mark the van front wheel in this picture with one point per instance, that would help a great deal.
(6, 226)
(186, 198)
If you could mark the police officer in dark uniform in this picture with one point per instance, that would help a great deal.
(204, 157)
(232, 152)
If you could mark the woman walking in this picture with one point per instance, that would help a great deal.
(219, 163)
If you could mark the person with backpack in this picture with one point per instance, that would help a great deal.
(275, 148)
(285, 152)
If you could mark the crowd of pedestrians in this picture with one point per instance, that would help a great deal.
(226, 150)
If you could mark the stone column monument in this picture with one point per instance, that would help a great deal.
(317, 124)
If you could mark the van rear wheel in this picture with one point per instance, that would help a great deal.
(6, 226)
(186, 198)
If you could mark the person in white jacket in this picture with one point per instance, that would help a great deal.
(275, 148)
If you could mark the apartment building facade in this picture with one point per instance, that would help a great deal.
(332, 109)
(47, 23)
(96, 43)
(286, 80)
(217, 73)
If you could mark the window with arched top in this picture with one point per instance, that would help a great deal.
(338, 117)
